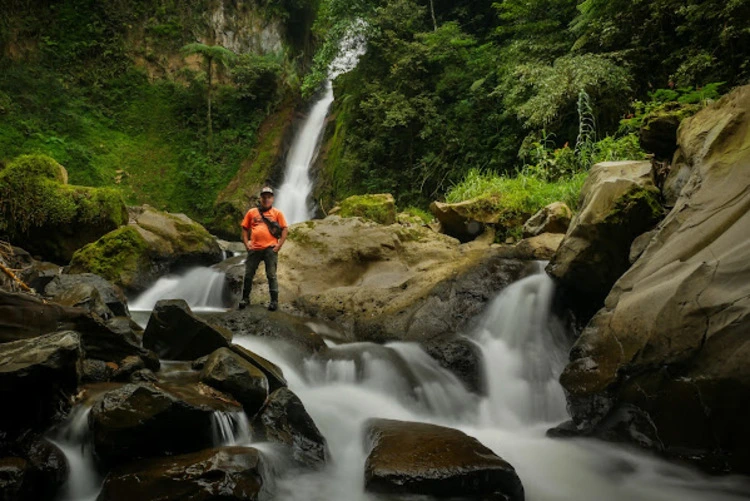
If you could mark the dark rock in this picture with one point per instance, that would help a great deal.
(174, 333)
(37, 379)
(658, 134)
(144, 420)
(13, 482)
(227, 473)
(273, 373)
(127, 367)
(232, 374)
(111, 295)
(279, 326)
(417, 458)
(284, 420)
(143, 376)
(85, 296)
(460, 356)
(23, 316)
(96, 371)
(48, 469)
(619, 202)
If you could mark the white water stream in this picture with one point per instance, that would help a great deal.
(293, 197)
(523, 350)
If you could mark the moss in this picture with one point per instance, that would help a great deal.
(301, 236)
(639, 204)
(378, 208)
(116, 256)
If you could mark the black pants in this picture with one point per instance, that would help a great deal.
(254, 257)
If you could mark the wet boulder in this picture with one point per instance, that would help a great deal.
(232, 374)
(151, 245)
(226, 473)
(276, 326)
(554, 218)
(61, 287)
(273, 373)
(144, 420)
(38, 377)
(174, 333)
(668, 356)
(408, 458)
(379, 208)
(285, 421)
(619, 202)
(23, 316)
(460, 356)
(32, 469)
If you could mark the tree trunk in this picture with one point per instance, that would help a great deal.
(432, 11)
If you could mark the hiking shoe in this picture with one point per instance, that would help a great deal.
(273, 306)
(243, 304)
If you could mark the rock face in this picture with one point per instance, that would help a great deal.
(111, 296)
(227, 473)
(424, 459)
(23, 316)
(152, 244)
(284, 420)
(50, 217)
(668, 357)
(554, 218)
(378, 208)
(541, 247)
(619, 202)
(144, 420)
(466, 220)
(232, 374)
(37, 378)
(174, 333)
(33, 469)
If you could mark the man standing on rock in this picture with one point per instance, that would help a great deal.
(264, 231)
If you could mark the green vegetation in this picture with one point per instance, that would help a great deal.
(512, 86)
(378, 208)
(117, 256)
(102, 88)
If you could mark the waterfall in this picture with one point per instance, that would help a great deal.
(230, 428)
(292, 198)
(73, 439)
(523, 347)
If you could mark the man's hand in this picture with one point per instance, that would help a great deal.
(277, 248)
(248, 246)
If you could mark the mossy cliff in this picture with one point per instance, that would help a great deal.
(41, 213)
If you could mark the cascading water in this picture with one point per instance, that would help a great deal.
(523, 347)
(204, 289)
(83, 482)
(230, 428)
(293, 196)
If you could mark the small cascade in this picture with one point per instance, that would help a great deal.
(524, 350)
(230, 428)
(293, 196)
(204, 289)
(73, 439)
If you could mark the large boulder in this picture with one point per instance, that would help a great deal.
(424, 459)
(174, 333)
(232, 374)
(658, 132)
(23, 316)
(152, 244)
(51, 218)
(541, 247)
(554, 218)
(38, 377)
(667, 359)
(378, 208)
(285, 421)
(618, 202)
(226, 473)
(467, 220)
(32, 469)
(144, 420)
(273, 372)
(60, 290)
